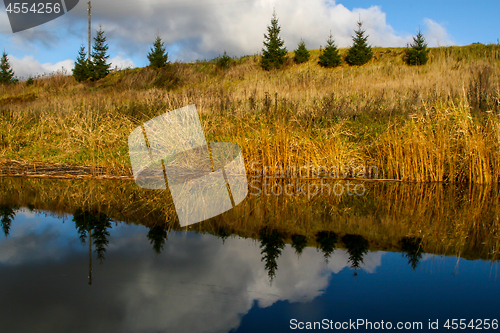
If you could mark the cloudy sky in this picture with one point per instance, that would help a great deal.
(203, 29)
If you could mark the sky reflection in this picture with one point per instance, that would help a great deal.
(198, 283)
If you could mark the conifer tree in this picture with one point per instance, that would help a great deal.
(330, 56)
(274, 52)
(417, 53)
(100, 67)
(158, 56)
(224, 61)
(360, 52)
(301, 53)
(81, 72)
(6, 73)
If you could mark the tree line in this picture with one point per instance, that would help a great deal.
(273, 56)
(274, 52)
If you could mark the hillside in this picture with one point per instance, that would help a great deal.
(437, 122)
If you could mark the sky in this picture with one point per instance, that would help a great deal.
(203, 29)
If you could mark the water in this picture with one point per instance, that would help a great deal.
(230, 275)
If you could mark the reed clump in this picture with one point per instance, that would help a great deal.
(445, 143)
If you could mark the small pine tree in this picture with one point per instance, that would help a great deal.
(274, 52)
(81, 72)
(360, 52)
(417, 54)
(330, 56)
(100, 68)
(158, 57)
(224, 61)
(6, 73)
(301, 53)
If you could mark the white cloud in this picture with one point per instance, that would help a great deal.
(121, 62)
(28, 65)
(202, 30)
(436, 34)
(205, 31)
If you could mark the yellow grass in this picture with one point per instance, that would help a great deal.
(413, 123)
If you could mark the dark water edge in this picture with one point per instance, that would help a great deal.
(397, 254)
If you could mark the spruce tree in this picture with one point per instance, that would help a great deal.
(274, 52)
(6, 73)
(81, 72)
(100, 67)
(330, 56)
(417, 53)
(360, 52)
(224, 61)
(158, 56)
(301, 53)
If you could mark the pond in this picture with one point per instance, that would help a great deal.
(412, 256)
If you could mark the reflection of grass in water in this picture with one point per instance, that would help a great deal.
(449, 219)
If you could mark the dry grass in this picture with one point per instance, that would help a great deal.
(383, 113)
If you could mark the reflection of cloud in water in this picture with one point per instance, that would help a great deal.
(197, 284)
(26, 212)
(222, 283)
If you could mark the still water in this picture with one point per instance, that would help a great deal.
(266, 272)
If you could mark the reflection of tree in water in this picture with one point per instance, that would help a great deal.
(357, 247)
(222, 233)
(157, 236)
(411, 246)
(95, 225)
(7, 213)
(326, 241)
(299, 243)
(272, 244)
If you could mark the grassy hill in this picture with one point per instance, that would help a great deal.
(438, 122)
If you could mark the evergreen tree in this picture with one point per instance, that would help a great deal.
(157, 236)
(96, 225)
(7, 215)
(301, 53)
(100, 67)
(412, 248)
(81, 72)
(274, 52)
(272, 244)
(224, 61)
(330, 56)
(357, 246)
(299, 243)
(326, 241)
(6, 73)
(417, 53)
(158, 56)
(360, 52)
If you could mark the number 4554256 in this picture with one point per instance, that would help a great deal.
(36, 8)
(478, 324)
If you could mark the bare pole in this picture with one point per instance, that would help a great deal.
(90, 6)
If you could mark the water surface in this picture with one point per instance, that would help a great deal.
(256, 269)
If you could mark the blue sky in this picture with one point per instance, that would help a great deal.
(203, 29)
